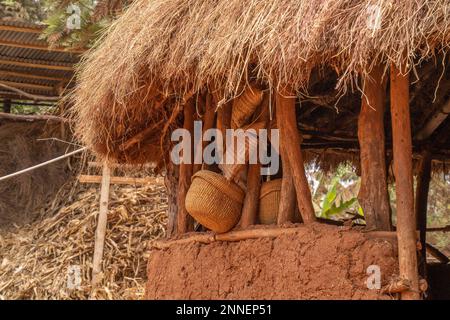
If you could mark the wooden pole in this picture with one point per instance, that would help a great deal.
(101, 227)
(402, 151)
(171, 183)
(373, 194)
(185, 223)
(290, 137)
(422, 188)
(251, 200)
(208, 123)
(286, 210)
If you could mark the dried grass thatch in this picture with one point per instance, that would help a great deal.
(161, 51)
(35, 259)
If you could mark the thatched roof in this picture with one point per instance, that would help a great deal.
(160, 51)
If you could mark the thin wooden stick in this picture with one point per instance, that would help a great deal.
(101, 227)
(290, 136)
(121, 180)
(31, 118)
(373, 194)
(402, 150)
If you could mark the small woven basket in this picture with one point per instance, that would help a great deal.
(214, 201)
(269, 201)
(244, 106)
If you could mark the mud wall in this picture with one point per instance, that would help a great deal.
(317, 262)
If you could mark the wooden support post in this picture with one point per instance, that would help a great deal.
(402, 151)
(7, 106)
(373, 194)
(101, 227)
(423, 185)
(286, 210)
(251, 201)
(185, 223)
(290, 137)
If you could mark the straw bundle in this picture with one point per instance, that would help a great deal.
(214, 202)
(35, 259)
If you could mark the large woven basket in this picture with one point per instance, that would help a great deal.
(245, 105)
(214, 202)
(269, 201)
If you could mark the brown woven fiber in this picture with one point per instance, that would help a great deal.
(214, 201)
(269, 201)
(245, 105)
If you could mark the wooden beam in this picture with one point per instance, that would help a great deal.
(434, 122)
(402, 150)
(437, 254)
(120, 180)
(36, 29)
(43, 47)
(28, 85)
(6, 73)
(40, 65)
(290, 137)
(373, 194)
(31, 118)
(185, 222)
(422, 188)
(33, 97)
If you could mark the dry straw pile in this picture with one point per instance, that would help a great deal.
(35, 259)
(161, 52)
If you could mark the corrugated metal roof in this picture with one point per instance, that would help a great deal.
(26, 59)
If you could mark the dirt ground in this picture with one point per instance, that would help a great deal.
(317, 262)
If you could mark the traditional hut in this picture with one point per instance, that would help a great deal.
(350, 77)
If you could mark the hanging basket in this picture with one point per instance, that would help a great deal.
(269, 201)
(214, 201)
(244, 106)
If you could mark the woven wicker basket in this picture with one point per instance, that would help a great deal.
(214, 202)
(269, 201)
(244, 106)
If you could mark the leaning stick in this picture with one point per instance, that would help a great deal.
(101, 227)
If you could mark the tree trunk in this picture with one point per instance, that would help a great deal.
(402, 150)
(286, 210)
(373, 194)
(290, 138)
